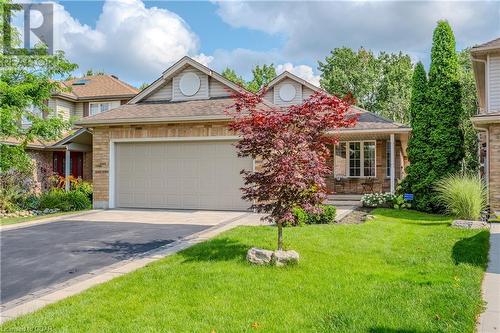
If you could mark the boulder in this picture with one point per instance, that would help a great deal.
(467, 224)
(282, 258)
(259, 256)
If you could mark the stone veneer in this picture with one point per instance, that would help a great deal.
(42, 168)
(103, 135)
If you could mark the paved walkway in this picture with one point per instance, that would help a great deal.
(489, 322)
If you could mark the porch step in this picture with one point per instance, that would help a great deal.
(343, 203)
(344, 200)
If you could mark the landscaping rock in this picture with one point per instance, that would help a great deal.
(259, 256)
(282, 258)
(466, 224)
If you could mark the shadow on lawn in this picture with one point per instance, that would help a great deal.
(472, 250)
(414, 217)
(219, 249)
(381, 329)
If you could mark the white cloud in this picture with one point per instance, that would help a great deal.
(303, 71)
(130, 40)
(203, 59)
(312, 29)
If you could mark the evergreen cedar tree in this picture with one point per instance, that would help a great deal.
(418, 179)
(292, 149)
(437, 145)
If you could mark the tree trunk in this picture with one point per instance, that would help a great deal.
(280, 237)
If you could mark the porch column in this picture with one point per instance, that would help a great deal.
(393, 163)
(67, 171)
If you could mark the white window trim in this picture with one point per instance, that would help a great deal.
(99, 106)
(362, 155)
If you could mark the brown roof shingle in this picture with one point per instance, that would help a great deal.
(98, 86)
(202, 109)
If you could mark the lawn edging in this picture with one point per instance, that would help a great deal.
(47, 219)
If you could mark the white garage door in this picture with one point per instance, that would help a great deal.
(179, 175)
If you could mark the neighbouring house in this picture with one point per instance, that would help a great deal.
(170, 147)
(486, 65)
(72, 155)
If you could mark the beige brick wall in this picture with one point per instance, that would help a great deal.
(103, 136)
(494, 167)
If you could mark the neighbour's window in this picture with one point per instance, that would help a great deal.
(34, 110)
(355, 159)
(96, 108)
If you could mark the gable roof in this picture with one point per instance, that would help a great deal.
(96, 86)
(287, 74)
(179, 65)
(491, 45)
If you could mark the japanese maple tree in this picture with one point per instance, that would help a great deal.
(291, 151)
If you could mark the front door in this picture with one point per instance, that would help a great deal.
(75, 162)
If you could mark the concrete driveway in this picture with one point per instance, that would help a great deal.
(39, 256)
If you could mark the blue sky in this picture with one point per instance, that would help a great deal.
(137, 39)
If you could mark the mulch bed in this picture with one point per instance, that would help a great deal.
(357, 216)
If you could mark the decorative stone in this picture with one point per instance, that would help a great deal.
(259, 256)
(467, 224)
(369, 217)
(282, 258)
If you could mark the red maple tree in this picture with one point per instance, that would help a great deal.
(291, 149)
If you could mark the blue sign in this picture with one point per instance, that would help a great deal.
(408, 196)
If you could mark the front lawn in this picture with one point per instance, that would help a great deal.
(402, 272)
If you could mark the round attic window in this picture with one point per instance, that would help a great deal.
(189, 84)
(287, 92)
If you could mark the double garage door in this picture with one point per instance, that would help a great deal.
(179, 175)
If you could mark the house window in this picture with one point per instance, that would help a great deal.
(369, 159)
(355, 159)
(96, 108)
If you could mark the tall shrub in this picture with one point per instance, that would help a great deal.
(445, 109)
(418, 180)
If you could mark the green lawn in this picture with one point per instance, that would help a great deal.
(14, 220)
(402, 272)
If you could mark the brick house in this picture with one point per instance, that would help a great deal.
(72, 156)
(486, 65)
(169, 146)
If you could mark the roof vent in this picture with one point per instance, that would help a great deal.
(81, 82)
(114, 76)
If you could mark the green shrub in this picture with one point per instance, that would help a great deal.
(31, 202)
(399, 202)
(65, 201)
(302, 217)
(462, 195)
(84, 187)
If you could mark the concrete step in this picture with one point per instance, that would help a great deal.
(344, 202)
(344, 197)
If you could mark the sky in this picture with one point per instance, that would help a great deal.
(137, 40)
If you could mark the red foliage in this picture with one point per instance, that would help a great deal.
(290, 146)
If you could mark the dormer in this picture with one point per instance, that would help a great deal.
(186, 80)
(486, 65)
(288, 89)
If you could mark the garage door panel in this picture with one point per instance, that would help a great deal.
(179, 175)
